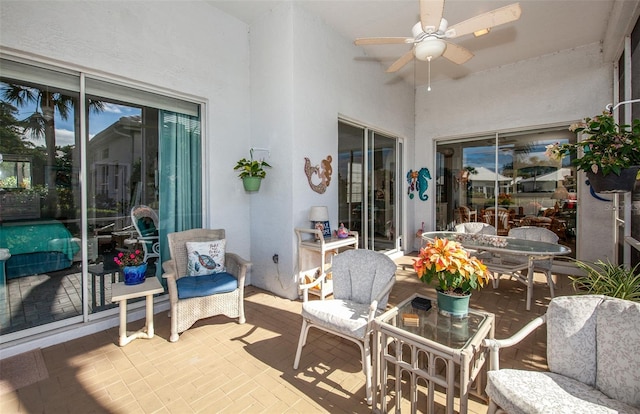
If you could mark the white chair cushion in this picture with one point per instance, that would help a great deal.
(531, 392)
(348, 318)
(571, 337)
(618, 360)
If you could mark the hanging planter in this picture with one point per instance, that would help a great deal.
(252, 172)
(613, 183)
(251, 183)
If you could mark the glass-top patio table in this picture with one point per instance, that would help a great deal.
(431, 349)
(508, 255)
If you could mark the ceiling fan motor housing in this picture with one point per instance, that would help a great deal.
(429, 48)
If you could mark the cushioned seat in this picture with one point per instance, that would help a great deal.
(197, 286)
(343, 316)
(203, 278)
(592, 355)
(362, 280)
(548, 392)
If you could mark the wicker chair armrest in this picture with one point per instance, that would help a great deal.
(171, 277)
(169, 269)
(494, 345)
(237, 266)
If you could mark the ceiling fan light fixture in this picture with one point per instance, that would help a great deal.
(429, 48)
(481, 32)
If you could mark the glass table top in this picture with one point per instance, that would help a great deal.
(500, 243)
(452, 332)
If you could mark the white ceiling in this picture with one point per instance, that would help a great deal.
(545, 27)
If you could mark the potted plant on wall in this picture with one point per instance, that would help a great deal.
(251, 172)
(610, 154)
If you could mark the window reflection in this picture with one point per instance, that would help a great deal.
(508, 185)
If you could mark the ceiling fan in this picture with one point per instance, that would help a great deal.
(430, 34)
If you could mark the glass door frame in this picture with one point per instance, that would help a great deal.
(395, 229)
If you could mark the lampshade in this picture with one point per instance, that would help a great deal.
(561, 193)
(429, 48)
(319, 213)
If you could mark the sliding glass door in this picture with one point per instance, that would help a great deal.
(76, 155)
(507, 181)
(369, 164)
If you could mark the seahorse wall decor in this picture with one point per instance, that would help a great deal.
(323, 171)
(417, 181)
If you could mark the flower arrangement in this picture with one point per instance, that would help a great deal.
(504, 199)
(455, 269)
(609, 147)
(134, 258)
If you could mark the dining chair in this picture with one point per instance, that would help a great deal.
(543, 265)
(362, 281)
(476, 227)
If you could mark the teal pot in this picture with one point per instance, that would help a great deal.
(456, 306)
(613, 183)
(251, 183)
(134, 275)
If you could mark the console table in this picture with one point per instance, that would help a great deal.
(311, 240)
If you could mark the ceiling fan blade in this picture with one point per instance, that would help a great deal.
(456, 53)
(431, 14)
(382, 40)
(404, 59)
(486, 20)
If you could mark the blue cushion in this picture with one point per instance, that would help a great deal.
(195, 286)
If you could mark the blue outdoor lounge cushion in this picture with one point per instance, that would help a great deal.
(207, 285)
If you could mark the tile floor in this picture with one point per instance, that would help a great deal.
(218, 366)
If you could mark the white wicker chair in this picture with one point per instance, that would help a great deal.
(145, 220)
(362, 281)
(185, 312)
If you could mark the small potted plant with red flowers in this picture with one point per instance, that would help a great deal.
(133, 266)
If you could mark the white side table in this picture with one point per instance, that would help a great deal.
(121, 292)
(312, 240)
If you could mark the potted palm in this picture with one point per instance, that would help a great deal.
(251, 172)
(456, 271)
(610, 153)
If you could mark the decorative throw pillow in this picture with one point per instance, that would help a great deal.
(205, 258)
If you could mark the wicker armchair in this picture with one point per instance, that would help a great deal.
(186, 311)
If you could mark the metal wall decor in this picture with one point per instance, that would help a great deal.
(323, 173)
(418, 183)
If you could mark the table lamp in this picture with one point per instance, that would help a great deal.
(319, 218)
(560, 193)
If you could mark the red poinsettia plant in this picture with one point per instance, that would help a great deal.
(134, 258)
(454, 268)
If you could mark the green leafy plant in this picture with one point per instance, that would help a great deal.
(608, 279)
(455, 270)
(609, 147)
(251, 168)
